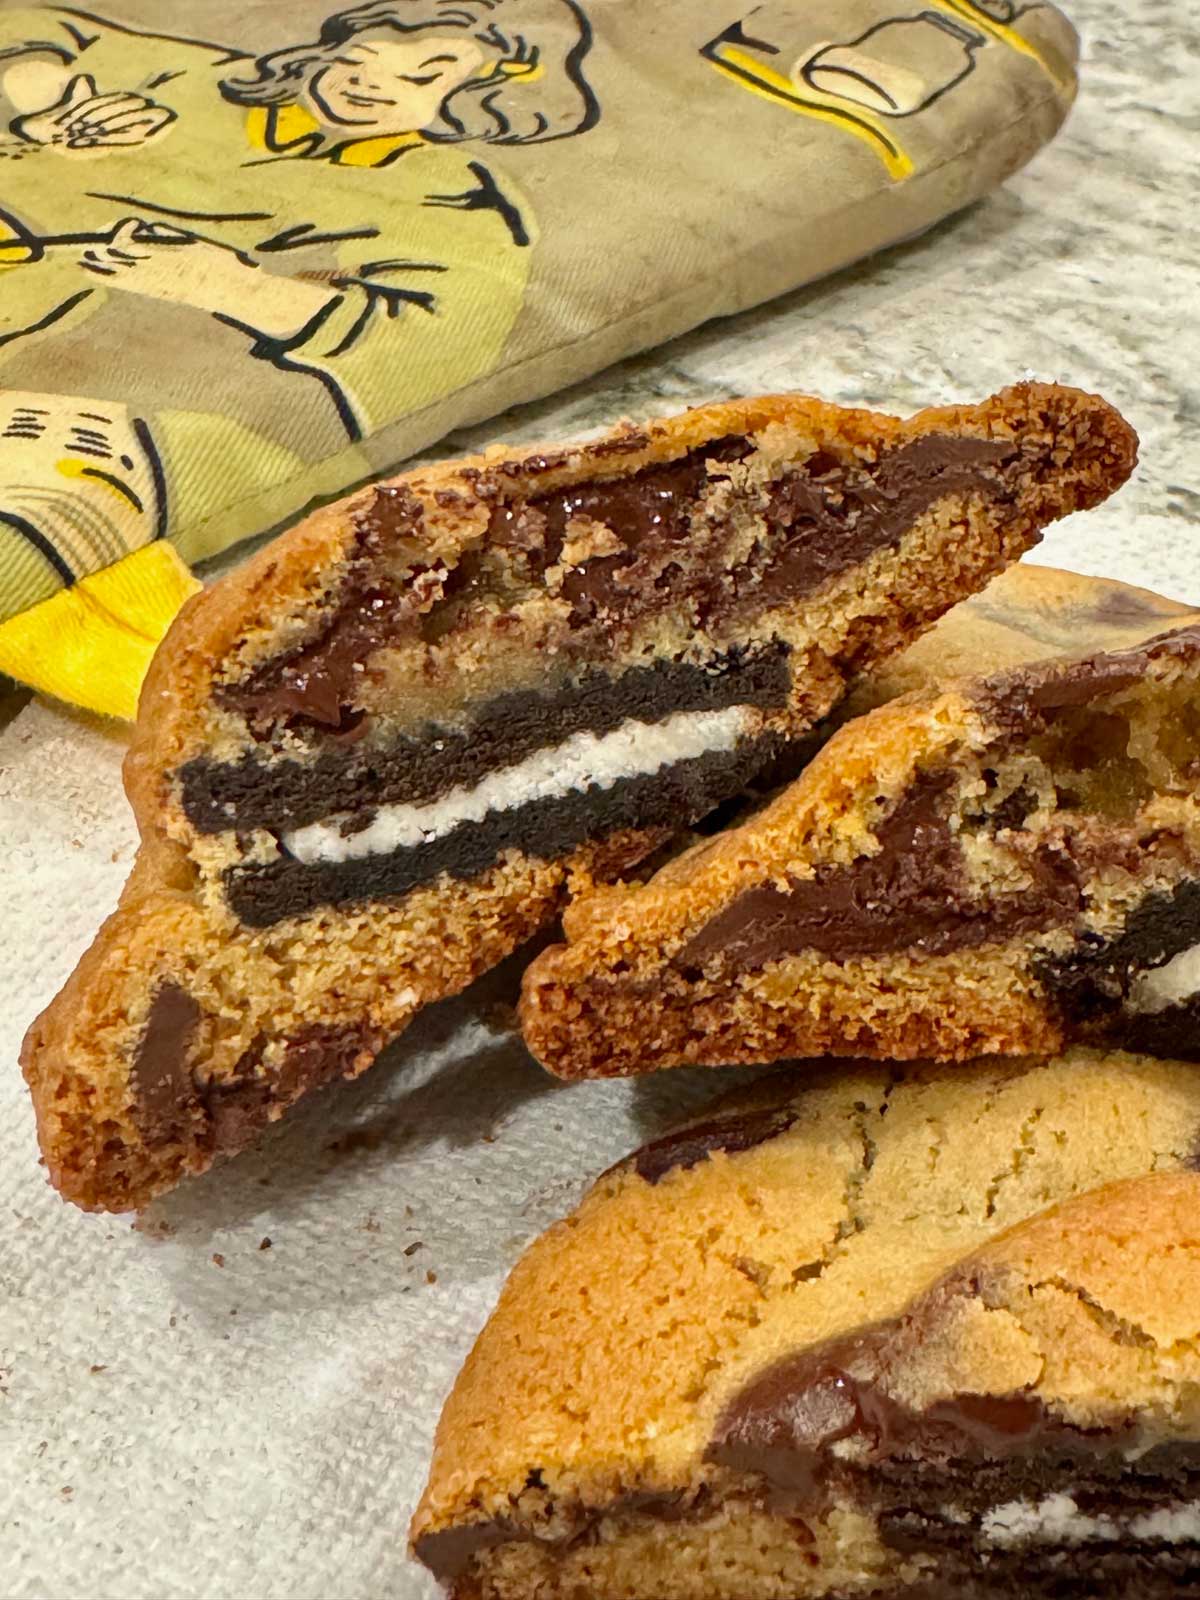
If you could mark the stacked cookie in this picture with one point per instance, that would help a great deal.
(871, 1330)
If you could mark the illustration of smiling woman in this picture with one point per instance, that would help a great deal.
(184, 176)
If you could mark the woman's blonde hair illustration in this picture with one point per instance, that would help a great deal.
(531, 89)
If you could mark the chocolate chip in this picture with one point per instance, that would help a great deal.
(732, 1134)
(161, 1077)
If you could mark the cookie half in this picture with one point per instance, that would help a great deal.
(1003, 866)
(367, 761)
(1029, 613)
(926, 1334)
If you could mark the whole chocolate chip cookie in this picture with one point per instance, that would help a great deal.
(920, 1333)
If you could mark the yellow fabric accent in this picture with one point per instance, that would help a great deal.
(91, 644)
(374, 152)
(530, 71)
(753, 74)
(276, 129)
(277, 126)
(14, 251)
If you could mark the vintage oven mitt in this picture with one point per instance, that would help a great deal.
(251, 254)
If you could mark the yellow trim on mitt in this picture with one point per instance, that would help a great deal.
(762, 80)
(91, 644)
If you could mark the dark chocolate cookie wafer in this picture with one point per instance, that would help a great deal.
(932, 1335)
(367, 762)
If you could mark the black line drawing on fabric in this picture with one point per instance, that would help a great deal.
(898, 67)
(240, 229)
(742, 54)
(80, 487)
(82, 121)
(445, 69)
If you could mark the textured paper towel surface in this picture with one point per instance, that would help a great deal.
(259, 1430)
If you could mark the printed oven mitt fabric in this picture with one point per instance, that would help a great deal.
(251, 254)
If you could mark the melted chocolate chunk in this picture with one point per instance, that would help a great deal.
(913, 894)
(240, 1108)
(782, 1425)
(176, 1102)
(315, 683)
(448, 1552)
(160, 1077)
(834, 517)
(732, 1133)
(1024, 698)
(254, 793)
(824, 517)
(263, 895)
(650, 511)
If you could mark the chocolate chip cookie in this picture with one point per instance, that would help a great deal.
(1005, 864)
(367, 762)
(926, 1333)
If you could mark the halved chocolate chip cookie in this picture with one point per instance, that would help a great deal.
(933, 1334)
(1003, 865)
(367, 762)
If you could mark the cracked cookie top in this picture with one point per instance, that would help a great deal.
(992, 1259)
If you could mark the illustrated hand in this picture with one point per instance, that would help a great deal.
(167, 263)
(86, 122)
(146, 256)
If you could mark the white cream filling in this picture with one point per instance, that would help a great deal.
(1054, 1520)
(1058, 1520)
(1168, 985)
(584, 761)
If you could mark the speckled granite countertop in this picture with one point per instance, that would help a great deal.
(184, 1413)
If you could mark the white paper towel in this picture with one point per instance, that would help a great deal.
(259, 1430)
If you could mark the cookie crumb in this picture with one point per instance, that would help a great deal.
(431, 1276)
(98, 1369)
(411, 1249)
(265, 1244)
(218, 1260)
